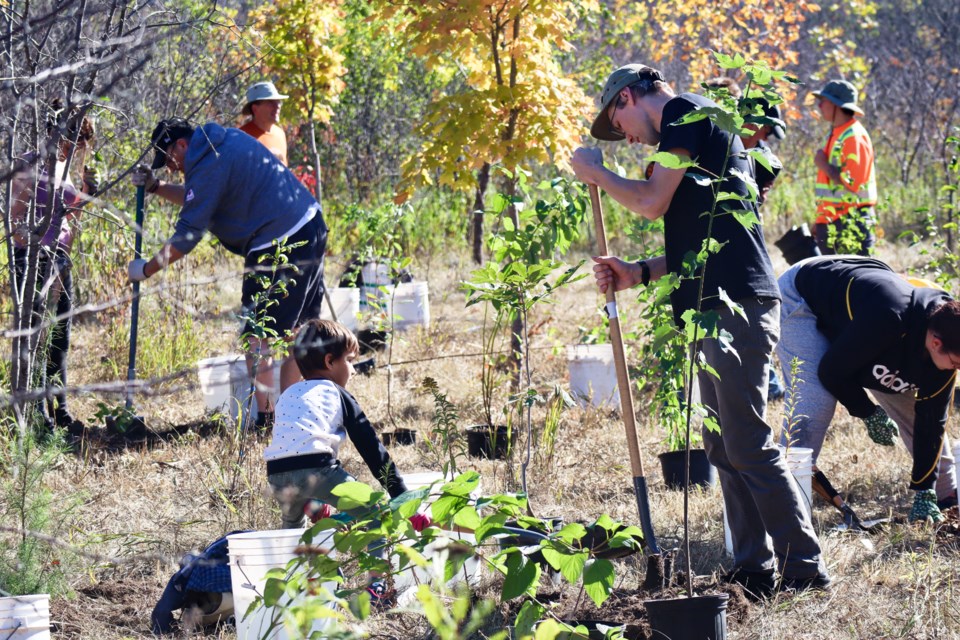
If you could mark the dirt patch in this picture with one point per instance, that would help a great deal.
(949, 529)
(124, 604)
(625, 606)
(95, 440)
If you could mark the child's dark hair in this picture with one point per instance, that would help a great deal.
(944, 322)
(319, 338)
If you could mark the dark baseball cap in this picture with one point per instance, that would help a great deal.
(622, 78)
(165, 134)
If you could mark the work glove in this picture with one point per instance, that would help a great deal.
(142, 176)
(135, 270)
(91, 180)
(421, 521)
(881, 428)
(317, 510)
(925, 507)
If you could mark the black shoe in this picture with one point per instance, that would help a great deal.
(757, 584)
(64, 420)
(819, 582)
(365, 367)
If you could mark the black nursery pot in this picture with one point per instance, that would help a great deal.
(488, 442)
(400, 437)
(798, 243)
(696, 618)
(673, 463)
(372, 340)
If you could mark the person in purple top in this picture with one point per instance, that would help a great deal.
(54, 290)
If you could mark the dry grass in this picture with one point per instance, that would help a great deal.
(145, 507)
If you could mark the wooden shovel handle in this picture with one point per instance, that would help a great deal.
(619, 355)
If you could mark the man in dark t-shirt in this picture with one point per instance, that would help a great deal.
(770, 526)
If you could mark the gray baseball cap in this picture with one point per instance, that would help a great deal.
(841, 93)
(622, 78)
(261, 91)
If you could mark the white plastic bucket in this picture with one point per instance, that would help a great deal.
(346, 304)
(436, 553)
(252, 555)
(225, 384)
(800, 464)
(375, 275)
(25, 617)
(593, 375)
(956, 460)
(409, 305)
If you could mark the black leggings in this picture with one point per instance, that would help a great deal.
(55, 371)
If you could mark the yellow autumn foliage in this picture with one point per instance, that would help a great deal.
(298, 43)
(518, 107)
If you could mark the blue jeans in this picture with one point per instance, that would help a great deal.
(769, 524)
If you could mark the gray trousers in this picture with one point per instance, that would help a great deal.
(293, 489)
(769, 525)
(815, 406)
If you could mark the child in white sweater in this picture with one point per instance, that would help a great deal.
(313, 418)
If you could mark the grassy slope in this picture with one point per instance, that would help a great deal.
(140, 503)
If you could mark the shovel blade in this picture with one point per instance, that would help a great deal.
(875, 525)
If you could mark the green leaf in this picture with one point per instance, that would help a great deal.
(489, 526)
(699, 179)
(569, 564)
(598, 581)
(570, 533)
(353, 495)
(669, 160)
(732, 305)
(273, 591)
(468, 518)
(522, 577)
(549, 629)
(530, 613)
(463, 485)
(360, 605)
(446, 507)
(746, 217)
(410, 556)
(628, 537)
(727, 62)
(606, 522)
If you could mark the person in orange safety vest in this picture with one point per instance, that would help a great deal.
(846, 177)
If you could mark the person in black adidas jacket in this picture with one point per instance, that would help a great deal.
(854, 324)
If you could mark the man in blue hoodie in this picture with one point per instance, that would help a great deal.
(238, 191)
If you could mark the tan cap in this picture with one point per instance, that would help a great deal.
(622, 78)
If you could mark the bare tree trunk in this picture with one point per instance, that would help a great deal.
(476, 226)
(318, 189)
(518, 326)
